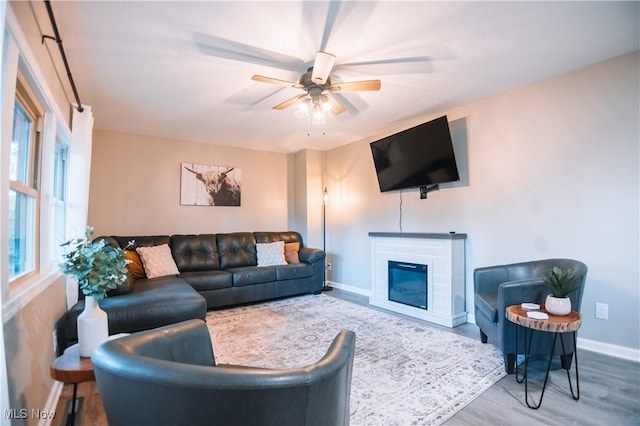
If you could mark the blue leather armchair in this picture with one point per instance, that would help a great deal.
(497, 287)
(169, 376)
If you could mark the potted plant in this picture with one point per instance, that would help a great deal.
(98, 269)
(561, 284)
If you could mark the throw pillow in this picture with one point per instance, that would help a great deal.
(135, 266)
(270, 254)
(157, 261)
(291, 252)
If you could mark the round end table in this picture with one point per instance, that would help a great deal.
(70, 367)
(554, 324)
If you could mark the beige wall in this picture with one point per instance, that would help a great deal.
(299, 202)
(135, 187)
(553, 171)
(307, 197)
(30, 351)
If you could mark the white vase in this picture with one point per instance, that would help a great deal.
(93, 327)
(557, 305)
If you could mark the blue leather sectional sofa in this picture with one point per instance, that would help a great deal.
(215, 270)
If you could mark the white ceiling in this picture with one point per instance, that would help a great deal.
(183, 69)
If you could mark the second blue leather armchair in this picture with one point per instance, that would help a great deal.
(497, 287)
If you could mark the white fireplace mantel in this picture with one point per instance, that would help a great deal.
(444, 256)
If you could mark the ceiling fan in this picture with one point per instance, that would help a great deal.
(317, 101)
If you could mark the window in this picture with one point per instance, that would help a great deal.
(59, 196)
(24, 174)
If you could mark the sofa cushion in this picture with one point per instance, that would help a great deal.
(293, 271)
(236, 250)
(135, 266)
(208, 280)
(270, 237)
(270, 254)
(157, 261)
(152, 303)
(291, 252)
(249, 275)
(195, 252)
(141, 241)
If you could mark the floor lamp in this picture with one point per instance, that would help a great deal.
(325, 200)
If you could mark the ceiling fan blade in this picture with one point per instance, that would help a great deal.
(290, 102)
(356, 86)
(332, 14)
(340, 16)
(322, 67)
(271, 80)
(253, 95)
(354, 104)
(336, 107)
(408, 65)
(228, 49)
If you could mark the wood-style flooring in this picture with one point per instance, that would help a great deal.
(609, 392)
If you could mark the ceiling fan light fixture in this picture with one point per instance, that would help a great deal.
(322, 67)
(302, 109)
(328, 107)
(316, 108)
(318, 115)
(317, 103)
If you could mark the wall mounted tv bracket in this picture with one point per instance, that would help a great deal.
(425, 189)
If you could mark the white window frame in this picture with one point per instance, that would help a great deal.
(29, 186)
(17, 55)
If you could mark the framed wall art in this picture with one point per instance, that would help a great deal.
(205, 185)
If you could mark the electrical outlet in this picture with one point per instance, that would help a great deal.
(602, 311)
(329, 266)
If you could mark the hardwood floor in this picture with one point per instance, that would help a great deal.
(609, 392)
(92, 411)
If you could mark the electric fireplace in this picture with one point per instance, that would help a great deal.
(408, 283)
(421, 275)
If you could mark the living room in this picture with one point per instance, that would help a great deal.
(548, 169)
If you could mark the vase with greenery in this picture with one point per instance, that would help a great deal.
(561, 284)
(98, 269)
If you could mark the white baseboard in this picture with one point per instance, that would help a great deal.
(52, 403)
(615, 351)
(349, 288)
(471, 317)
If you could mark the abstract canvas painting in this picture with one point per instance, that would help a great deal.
(205, 185)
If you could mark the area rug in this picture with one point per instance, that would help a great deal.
(404, 373)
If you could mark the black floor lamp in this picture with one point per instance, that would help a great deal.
(325, 200)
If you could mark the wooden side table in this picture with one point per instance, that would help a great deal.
(70, 367)
(554, 324)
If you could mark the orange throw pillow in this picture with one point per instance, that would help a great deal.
(291, 252)
(135, 267)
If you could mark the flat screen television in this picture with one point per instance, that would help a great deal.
(420, 156)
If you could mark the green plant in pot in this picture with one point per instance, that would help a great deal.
(98, 268)
(561, 284)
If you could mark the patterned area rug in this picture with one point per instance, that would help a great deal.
(404, 373)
